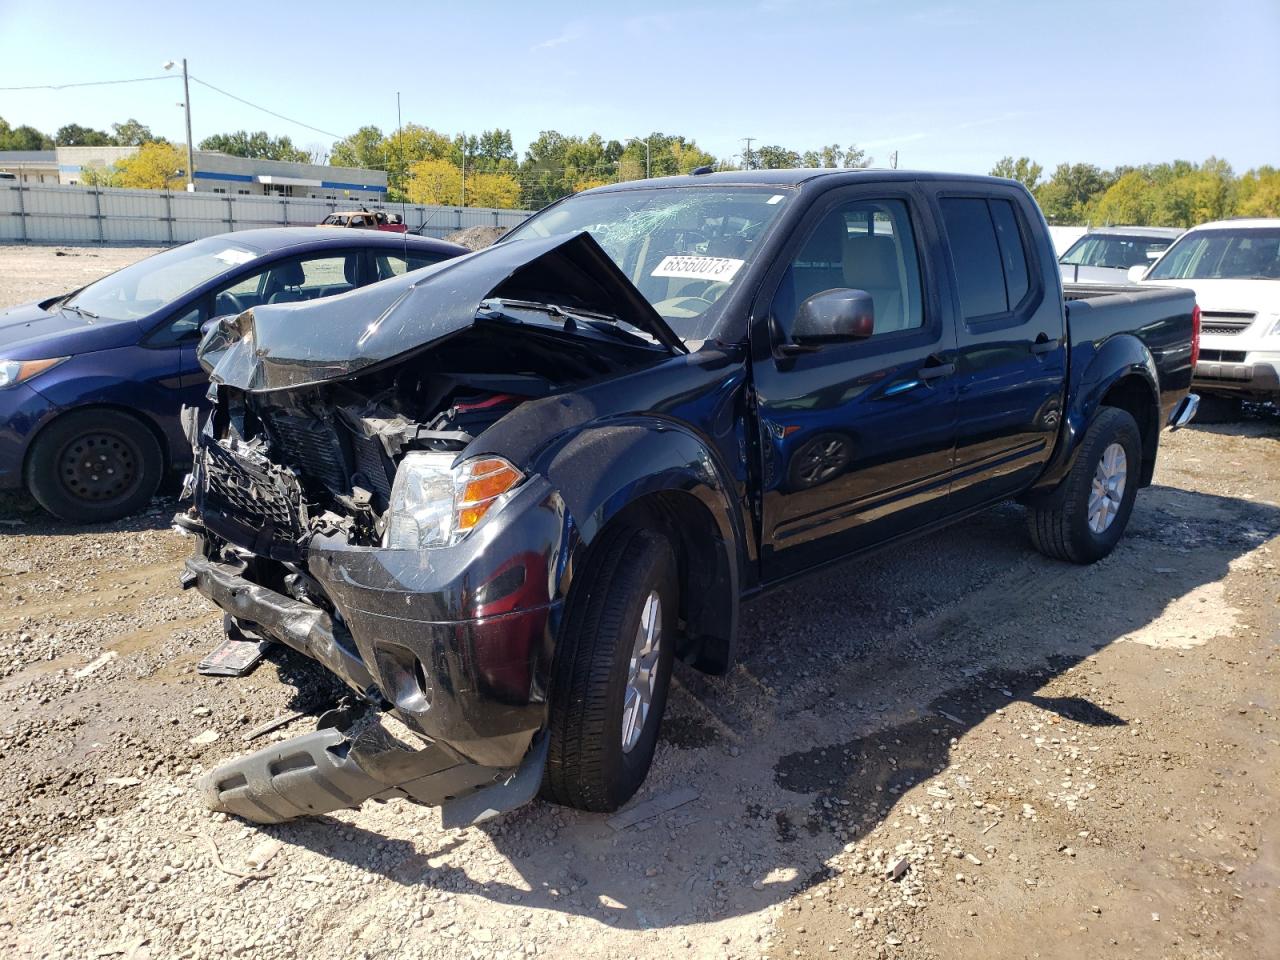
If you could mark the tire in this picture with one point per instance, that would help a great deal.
(587, 764)
(60, 470)
(1215, 408)
(1060, 522)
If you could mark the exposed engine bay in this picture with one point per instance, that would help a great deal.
(278, 468)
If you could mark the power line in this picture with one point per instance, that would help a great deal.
(90, 83)
(281, 116)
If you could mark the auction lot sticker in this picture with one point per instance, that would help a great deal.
(699, 268)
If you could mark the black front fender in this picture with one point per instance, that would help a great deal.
(667, 472)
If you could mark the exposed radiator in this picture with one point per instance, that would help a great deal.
(313, 448)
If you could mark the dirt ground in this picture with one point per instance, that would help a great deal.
(956, 749)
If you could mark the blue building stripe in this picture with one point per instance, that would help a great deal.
(334, 185)
(238, 177)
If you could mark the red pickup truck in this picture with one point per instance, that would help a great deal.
(366, 220)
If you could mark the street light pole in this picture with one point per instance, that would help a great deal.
(186, 104)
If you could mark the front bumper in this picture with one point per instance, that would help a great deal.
(1253, 374)
(23, 411)
(457, 642)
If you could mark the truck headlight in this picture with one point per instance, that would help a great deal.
(434, 504)
(13, 372)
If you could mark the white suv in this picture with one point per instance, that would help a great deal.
(1234, 268)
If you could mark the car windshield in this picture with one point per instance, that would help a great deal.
(149, 285)
(1222, 254)
(682, 247)
(1112, 250)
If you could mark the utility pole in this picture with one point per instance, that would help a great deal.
(186, 105)
(748, 158)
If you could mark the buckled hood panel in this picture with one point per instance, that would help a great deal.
(286, 346)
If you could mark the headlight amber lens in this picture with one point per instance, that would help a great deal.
(434, 504)
(13, 372)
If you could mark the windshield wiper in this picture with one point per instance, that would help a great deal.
(573, 316)
(87, 314)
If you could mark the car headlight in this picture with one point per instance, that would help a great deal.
(1275, 328)
(13, 372)
(434, 504)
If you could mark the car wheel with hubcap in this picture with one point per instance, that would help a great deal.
(612, 666)
(1083, 518)
(92, 466)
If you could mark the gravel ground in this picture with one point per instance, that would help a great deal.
(954, 749)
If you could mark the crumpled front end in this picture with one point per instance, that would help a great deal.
(456, 643)
(347, 504)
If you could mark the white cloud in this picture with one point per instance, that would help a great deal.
(570, 34)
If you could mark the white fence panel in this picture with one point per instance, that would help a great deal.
(52, 213)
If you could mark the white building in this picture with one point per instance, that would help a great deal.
(214, 173)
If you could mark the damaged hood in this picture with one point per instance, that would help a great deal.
(286, 346)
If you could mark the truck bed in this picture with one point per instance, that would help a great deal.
(1162, 319)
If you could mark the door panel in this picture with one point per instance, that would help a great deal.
(1012, 347)
(856, 439)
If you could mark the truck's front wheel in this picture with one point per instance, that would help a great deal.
(612, 668)
(1083, 518)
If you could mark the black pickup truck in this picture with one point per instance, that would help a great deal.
(499, 496)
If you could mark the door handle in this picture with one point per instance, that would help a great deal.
(1043, 344)
(934, 371)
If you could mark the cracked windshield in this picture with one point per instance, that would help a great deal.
(682, 248)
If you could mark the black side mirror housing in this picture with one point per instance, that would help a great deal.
(834, 316)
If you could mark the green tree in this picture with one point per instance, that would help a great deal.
(22, 138)
(365, 148)
(1066, 195)
(774, 157)
(1024, 170)
(131, 133)
(74, 135)
(258, 145)
(1131, 201)
(1258, 193)
(833, 155)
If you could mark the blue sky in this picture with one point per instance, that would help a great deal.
(951, 86)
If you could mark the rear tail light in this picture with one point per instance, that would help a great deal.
(1195, 335)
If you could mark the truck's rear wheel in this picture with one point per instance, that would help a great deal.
(1083, 518)
(612, 668)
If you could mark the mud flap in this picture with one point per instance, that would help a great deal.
(330, 769)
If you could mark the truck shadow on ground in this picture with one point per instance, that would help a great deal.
(852, 687)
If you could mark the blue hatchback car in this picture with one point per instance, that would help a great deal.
(91, 382)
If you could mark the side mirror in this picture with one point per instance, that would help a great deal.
(213, 322)
(1137, 272)
(834, 316)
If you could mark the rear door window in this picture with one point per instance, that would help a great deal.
(989, 255)
(1017, 279)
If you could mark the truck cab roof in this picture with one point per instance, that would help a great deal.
(796, 177)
